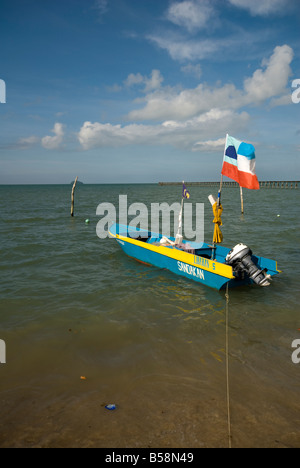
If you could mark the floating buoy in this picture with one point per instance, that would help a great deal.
(87, 221)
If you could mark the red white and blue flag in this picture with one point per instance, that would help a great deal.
(239, 163)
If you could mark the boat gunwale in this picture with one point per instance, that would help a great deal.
(214, 267)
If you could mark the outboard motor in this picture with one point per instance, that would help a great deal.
(240, 260)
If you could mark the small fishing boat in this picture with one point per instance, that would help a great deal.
(212, 265)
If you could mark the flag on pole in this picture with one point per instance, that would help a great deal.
(239, 163)
(185, 192)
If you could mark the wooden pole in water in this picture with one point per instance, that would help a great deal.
(72, 197)
(242, 200)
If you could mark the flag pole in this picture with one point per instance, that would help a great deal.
(179, 237)
(219, 199)
(221, 181)
(242, 200)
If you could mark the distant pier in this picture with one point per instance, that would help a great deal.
(270, 184)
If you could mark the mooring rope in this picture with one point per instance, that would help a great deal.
(227, 368)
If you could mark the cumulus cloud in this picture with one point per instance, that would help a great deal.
(260, 7)
(172, 132)
(54, 142)
(170, 104)
(181, 48)
(194, 118)
(134, 79)
(150, 83)
(283, 100)
(193, 15)
(265, 83)
(271, 81)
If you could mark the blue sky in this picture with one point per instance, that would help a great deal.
(144, 90)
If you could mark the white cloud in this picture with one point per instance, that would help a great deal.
(170, 104)
(92, 135)
(265, 83)
(134, 79)
(260, 7)
(154, 82)
(150, 84)
(192, 70)
(283, 100)
(25, 143)
(175, 133)
(209, 145)
(194, 119)
(193, 15)
(182, 49)
(54, 142)
(271, 81)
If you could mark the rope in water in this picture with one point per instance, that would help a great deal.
(227, 368)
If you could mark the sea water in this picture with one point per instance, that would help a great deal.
(85, 326)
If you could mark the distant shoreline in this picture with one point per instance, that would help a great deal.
(264, 183)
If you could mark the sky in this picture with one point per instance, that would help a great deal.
(141, 91)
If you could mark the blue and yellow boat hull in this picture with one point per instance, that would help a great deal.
(191, 260)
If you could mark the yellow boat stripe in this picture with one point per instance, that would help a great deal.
(190, 259)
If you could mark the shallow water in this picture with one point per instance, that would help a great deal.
(151, 342)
